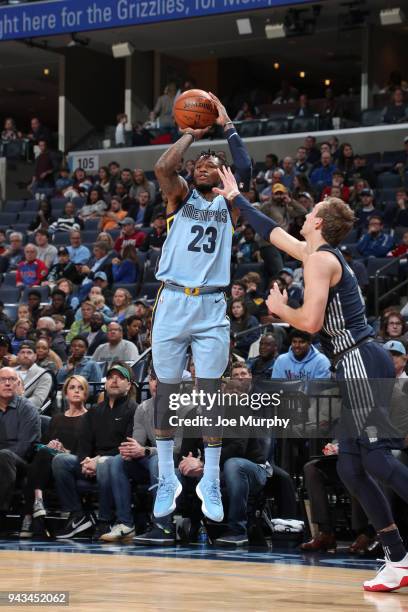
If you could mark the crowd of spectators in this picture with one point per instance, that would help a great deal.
(84, 317)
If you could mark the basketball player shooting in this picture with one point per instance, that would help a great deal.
(190, 309)
(333, 305)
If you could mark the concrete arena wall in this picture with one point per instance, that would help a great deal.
(364, 140)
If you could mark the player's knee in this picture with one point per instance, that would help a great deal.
(379, 464)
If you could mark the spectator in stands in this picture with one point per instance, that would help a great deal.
(122, 305)
(330, 108)
(22, 331)
(323, 176)
(133, 331)
(10, 132)
(104, 179)
(240, 322)
(248, 248)
(114, 173)
(62, 436)
(402, 247)
(68, 288)
(129, 204)
(163, 109)
(313, 154)
(81, 186)
(44, 170)
(398, 353)
(247, 112)
(20, 431)
(393, 327)
(79, 254)
(3, 240)
(39, 132)
(126, 269)
(238, 291)
(367, 209)
(144, 210)
(363, 171)
(43, 219)
(31, 271)
(122, 127)
(5, 321)
(116, 347)
(155, 239)
(401, 164)
(37, 381)
(287, 94)
(126, 178)
(46, 326)
(101, 280)
(59, 306)
(289, 172)
(113, 215)
(95, 208)
(83, 325)
(305, 199)
(46, 358)
(104, 428)
(79, 364)
(97, 335)
(357, 266)
(46, 252)
(63, 180)
(63, 269)
(397, 213)
(7, 359)
(141, 183)
(345, 161)
(303, 361)
(34, 305)
(253, 297)
(101, 261)
(282, 208)
(294, 290)
(375, 242)
(303, 110)
(23, 312)
(301, 164)
(129, 235)
(266, 193)
(261, 366)
(14, 254)
(397, 110)
(264, 177)
(337, 181)
(68, 221)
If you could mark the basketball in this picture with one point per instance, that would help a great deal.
(195, 109)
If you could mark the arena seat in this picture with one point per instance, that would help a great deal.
(149, 290)
(371, 116)
(389, 179)
(26, 216)
(7, 219)
(10, 295)
(391, 157)
(9, 279)
(31, 205)
(14, 206)
(61, 238)
(244, 268)
(45, 291)
(376, 263)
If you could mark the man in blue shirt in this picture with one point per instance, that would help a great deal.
(79, 364)
(79, 254)
(261, 366)
(375, 242)
(303, 361)
(322, 176)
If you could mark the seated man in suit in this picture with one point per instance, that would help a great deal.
(37, 381)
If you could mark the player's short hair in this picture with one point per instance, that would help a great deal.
(208, 154)
(338, 220)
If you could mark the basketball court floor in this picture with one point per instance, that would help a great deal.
(121, 577)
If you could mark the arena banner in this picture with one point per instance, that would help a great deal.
(65, 16)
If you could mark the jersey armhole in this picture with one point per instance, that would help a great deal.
(334, 251)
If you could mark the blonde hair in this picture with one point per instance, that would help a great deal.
(338, 220)
(82, 381)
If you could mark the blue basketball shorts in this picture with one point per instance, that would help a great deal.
(180, 321)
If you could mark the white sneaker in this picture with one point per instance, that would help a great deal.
(38, 508)
(26, 530)
(392, 575)
(118, 532)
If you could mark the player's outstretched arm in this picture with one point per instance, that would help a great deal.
(263, 225)
(239, 154)
(173, 186)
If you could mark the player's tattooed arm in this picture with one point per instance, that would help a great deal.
(173, 186)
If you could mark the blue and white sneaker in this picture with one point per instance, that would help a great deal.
(210, 494)
(168, 490)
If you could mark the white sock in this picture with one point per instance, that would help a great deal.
(212, 456)
(165, 453)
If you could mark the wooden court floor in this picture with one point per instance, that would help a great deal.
(118, 582)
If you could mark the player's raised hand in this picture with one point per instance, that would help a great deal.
(230, 187)
(223, 117)
(276, 299)
(196, 134)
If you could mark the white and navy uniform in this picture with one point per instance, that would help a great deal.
(362, 365)
(190, 308)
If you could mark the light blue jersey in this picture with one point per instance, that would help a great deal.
(197, 249)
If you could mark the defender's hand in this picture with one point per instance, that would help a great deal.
(230, 187)
(276, 299)
(222, 118)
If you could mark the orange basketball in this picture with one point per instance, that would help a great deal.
(195, 109)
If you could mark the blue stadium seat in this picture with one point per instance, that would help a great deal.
(10, 295)
(371, 116)
(386, 195)
(89, 236)
(372, 158)
(244, 268)
(61, 238)
(375, 263)
(26, 216)
(11, 311)
(7, 219)
(20, 227)
(31, 205)
(79, 202)
(389, 179)
(14, 206)
(58, 201)
(45, 291)
(391, 157)
(9, 279)
(149, 290)
(91, 225)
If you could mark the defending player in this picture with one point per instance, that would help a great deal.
(190, 308)
(334, 306)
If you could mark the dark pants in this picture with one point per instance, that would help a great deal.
(39, 476)
(11, 468)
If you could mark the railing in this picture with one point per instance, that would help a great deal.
(380, 298)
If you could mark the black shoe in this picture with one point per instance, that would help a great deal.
(77, 523)
(232, 539)
(156, 536)
(101, 528)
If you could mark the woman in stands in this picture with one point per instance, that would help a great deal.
(393, 327)
(62, 436)
(141, 183)
(67, 287)
(95, 206)
(127, 268)
(133, 331)
(47, 358)
(21, 331)
(43, 219)
(122, 305)
(241, 320)
(345, 161)
(6, 357)
(105, 237)
(104, 179)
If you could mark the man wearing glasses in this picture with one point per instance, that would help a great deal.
(19, 430)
